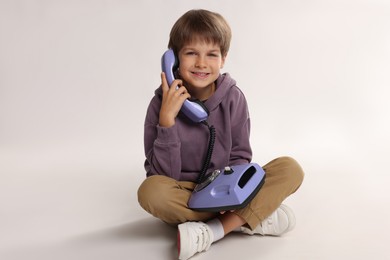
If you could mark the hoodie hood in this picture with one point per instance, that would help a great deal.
(223, 86)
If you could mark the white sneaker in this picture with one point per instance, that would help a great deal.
(279, 222)
(193, 237)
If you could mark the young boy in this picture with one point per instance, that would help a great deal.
(176, 147)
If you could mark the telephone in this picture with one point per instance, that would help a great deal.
(193, 109)
(230, 188)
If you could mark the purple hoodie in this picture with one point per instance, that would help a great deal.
(179, 151)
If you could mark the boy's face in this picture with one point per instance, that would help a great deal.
(199, 67)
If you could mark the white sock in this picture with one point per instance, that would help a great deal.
(217, 228)
(237, 229)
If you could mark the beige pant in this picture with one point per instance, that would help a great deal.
(166, 198)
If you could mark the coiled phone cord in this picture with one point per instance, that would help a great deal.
(210, 149)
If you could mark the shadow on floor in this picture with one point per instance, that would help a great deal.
(143, 229)
(144, 239)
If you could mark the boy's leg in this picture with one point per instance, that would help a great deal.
(283, 177)
(166, 199)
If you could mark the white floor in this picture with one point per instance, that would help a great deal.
(58, 206)
(76, 77)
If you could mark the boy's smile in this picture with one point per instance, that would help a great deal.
(201, 75)
(199, 67)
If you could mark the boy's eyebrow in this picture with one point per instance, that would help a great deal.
(193, 48)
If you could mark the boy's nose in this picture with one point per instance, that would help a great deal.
(200, 62)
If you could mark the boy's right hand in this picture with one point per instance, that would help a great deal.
(172, 101)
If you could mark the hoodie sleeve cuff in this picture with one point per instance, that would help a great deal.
(167, 135)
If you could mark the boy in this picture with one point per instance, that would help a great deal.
(175, 147)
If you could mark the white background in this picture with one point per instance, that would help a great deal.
(75, 81)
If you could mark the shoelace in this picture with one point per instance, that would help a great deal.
(269, 220)
(263, 227)
(269, 224)
(202, 238)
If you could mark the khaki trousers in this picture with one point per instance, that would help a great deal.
(166, 198)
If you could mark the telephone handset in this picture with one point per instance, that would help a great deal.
(193, 109)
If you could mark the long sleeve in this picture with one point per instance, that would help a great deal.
(241, 151)
(162, 145)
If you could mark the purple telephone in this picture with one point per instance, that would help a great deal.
(193, 109)
(231, 188)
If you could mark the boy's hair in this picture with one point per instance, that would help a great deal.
(200, 24)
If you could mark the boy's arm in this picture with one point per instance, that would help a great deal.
(241, 151)
(161, 139)
(161, 144)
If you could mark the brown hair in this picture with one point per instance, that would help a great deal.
(200, 24)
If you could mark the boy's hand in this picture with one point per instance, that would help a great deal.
(172, 101)
(223, 212)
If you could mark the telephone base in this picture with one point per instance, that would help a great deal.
(231, 188)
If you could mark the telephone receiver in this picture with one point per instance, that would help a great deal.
(193, 109)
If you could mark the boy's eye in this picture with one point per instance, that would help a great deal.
(190, 53)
